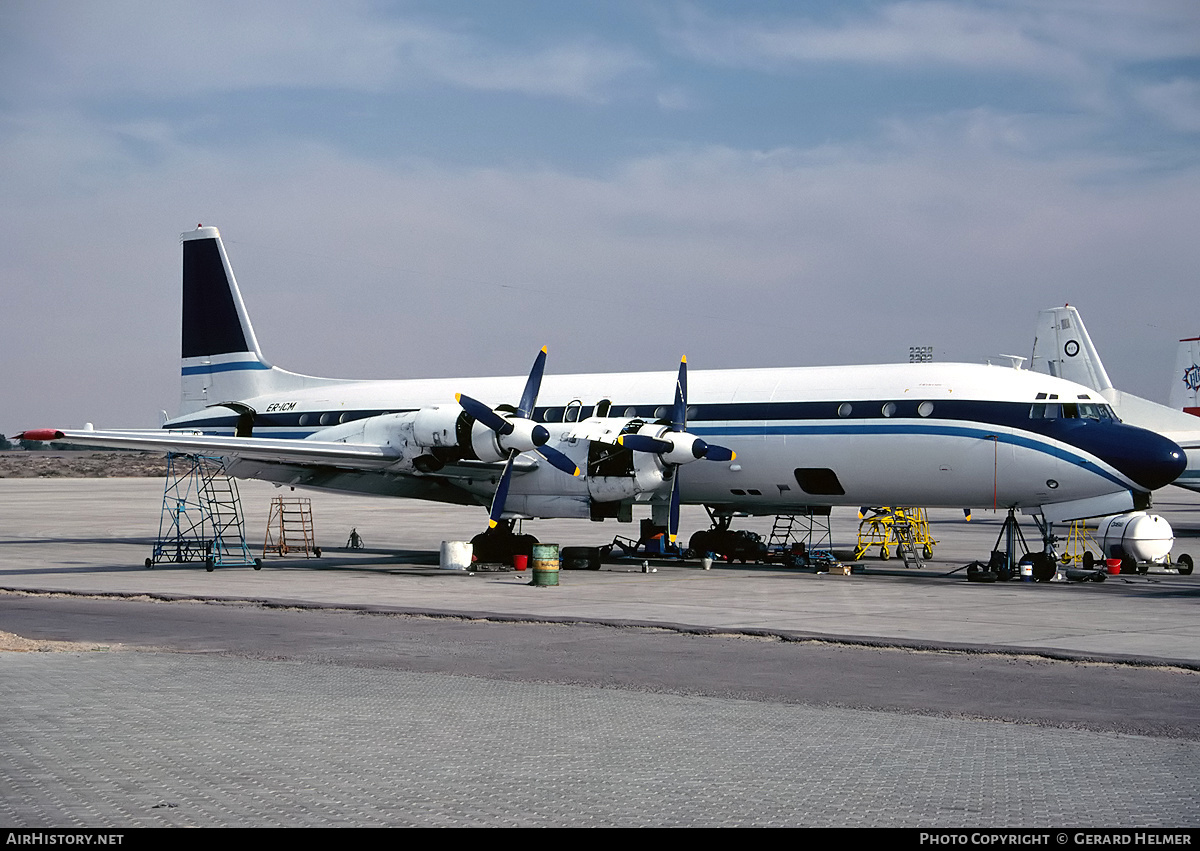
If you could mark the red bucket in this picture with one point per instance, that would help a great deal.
(1113, 565)
(521, 562)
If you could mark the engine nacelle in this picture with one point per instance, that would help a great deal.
(685, 448)
(526, 435)
(437, 426)
(1136, 534)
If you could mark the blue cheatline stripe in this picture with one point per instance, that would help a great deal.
(915, 429)
(207, 368)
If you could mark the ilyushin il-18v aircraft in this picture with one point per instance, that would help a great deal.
(753, 441)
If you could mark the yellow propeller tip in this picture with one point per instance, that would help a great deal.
(543, 350)
(491, 523)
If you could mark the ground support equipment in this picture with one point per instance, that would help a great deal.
(290, 528)
(902, 530)
(201, 516)
(1079, 546)
(797, 540)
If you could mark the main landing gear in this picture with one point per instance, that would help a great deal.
(499, 544)
(720, 540)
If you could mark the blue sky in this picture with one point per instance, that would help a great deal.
(419, 189)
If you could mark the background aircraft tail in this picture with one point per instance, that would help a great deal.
(1062, 347)
(1186, 381)
(222, 362)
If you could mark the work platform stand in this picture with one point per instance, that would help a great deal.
(810, 528)
(201, 516)
(290, 528)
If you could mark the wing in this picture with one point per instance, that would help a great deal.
(303, 452)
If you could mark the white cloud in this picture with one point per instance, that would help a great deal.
(1176, 103)
(737, 257)
(170, 49)
(1065, 40)
(911, 33)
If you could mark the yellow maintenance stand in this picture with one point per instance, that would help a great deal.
(1078, 542)
(902, 530)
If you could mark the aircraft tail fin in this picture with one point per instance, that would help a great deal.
(1062, 347)
(222, 362)
(1185, 383)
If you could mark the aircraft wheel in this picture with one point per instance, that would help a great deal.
(884, 554)
(1128, 565)
(859, 552)
(150, 564)
(1089, 560)
(927, 552)
(258, 564)
(208, 564)
(580, 558)
(1184, 565)
(317, 552)
(1043, 567)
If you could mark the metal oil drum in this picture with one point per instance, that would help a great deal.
(545, 564)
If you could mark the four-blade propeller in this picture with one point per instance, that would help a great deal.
(676, 446)
(517, 433)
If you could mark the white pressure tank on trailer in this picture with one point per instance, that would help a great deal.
(1137, 535)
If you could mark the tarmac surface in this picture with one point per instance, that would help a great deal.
(369, 687)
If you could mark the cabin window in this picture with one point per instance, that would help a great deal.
(925, 408)
(328, 419)
(845, 409)
(630, 412)
(602, 407)
(889, 410)
(571, 414)
(303, 420)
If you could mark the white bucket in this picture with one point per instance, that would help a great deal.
(456, 555)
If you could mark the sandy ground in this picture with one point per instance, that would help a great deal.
(80, 465)
(10, 643)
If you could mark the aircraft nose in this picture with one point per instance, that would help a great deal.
(1149, 459)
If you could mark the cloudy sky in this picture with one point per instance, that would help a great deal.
(438, 188)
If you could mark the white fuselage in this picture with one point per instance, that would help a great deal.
(956, 435)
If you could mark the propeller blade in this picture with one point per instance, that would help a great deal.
(484, 414)
(644, 443)
(532, 385)
(559, 460)
(673, 523)
(501, 493)
(679, 414)
(719, 453)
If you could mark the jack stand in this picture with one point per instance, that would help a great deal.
(1010, 532)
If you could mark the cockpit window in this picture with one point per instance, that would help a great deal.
(1070, 411)
(1043, 411)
